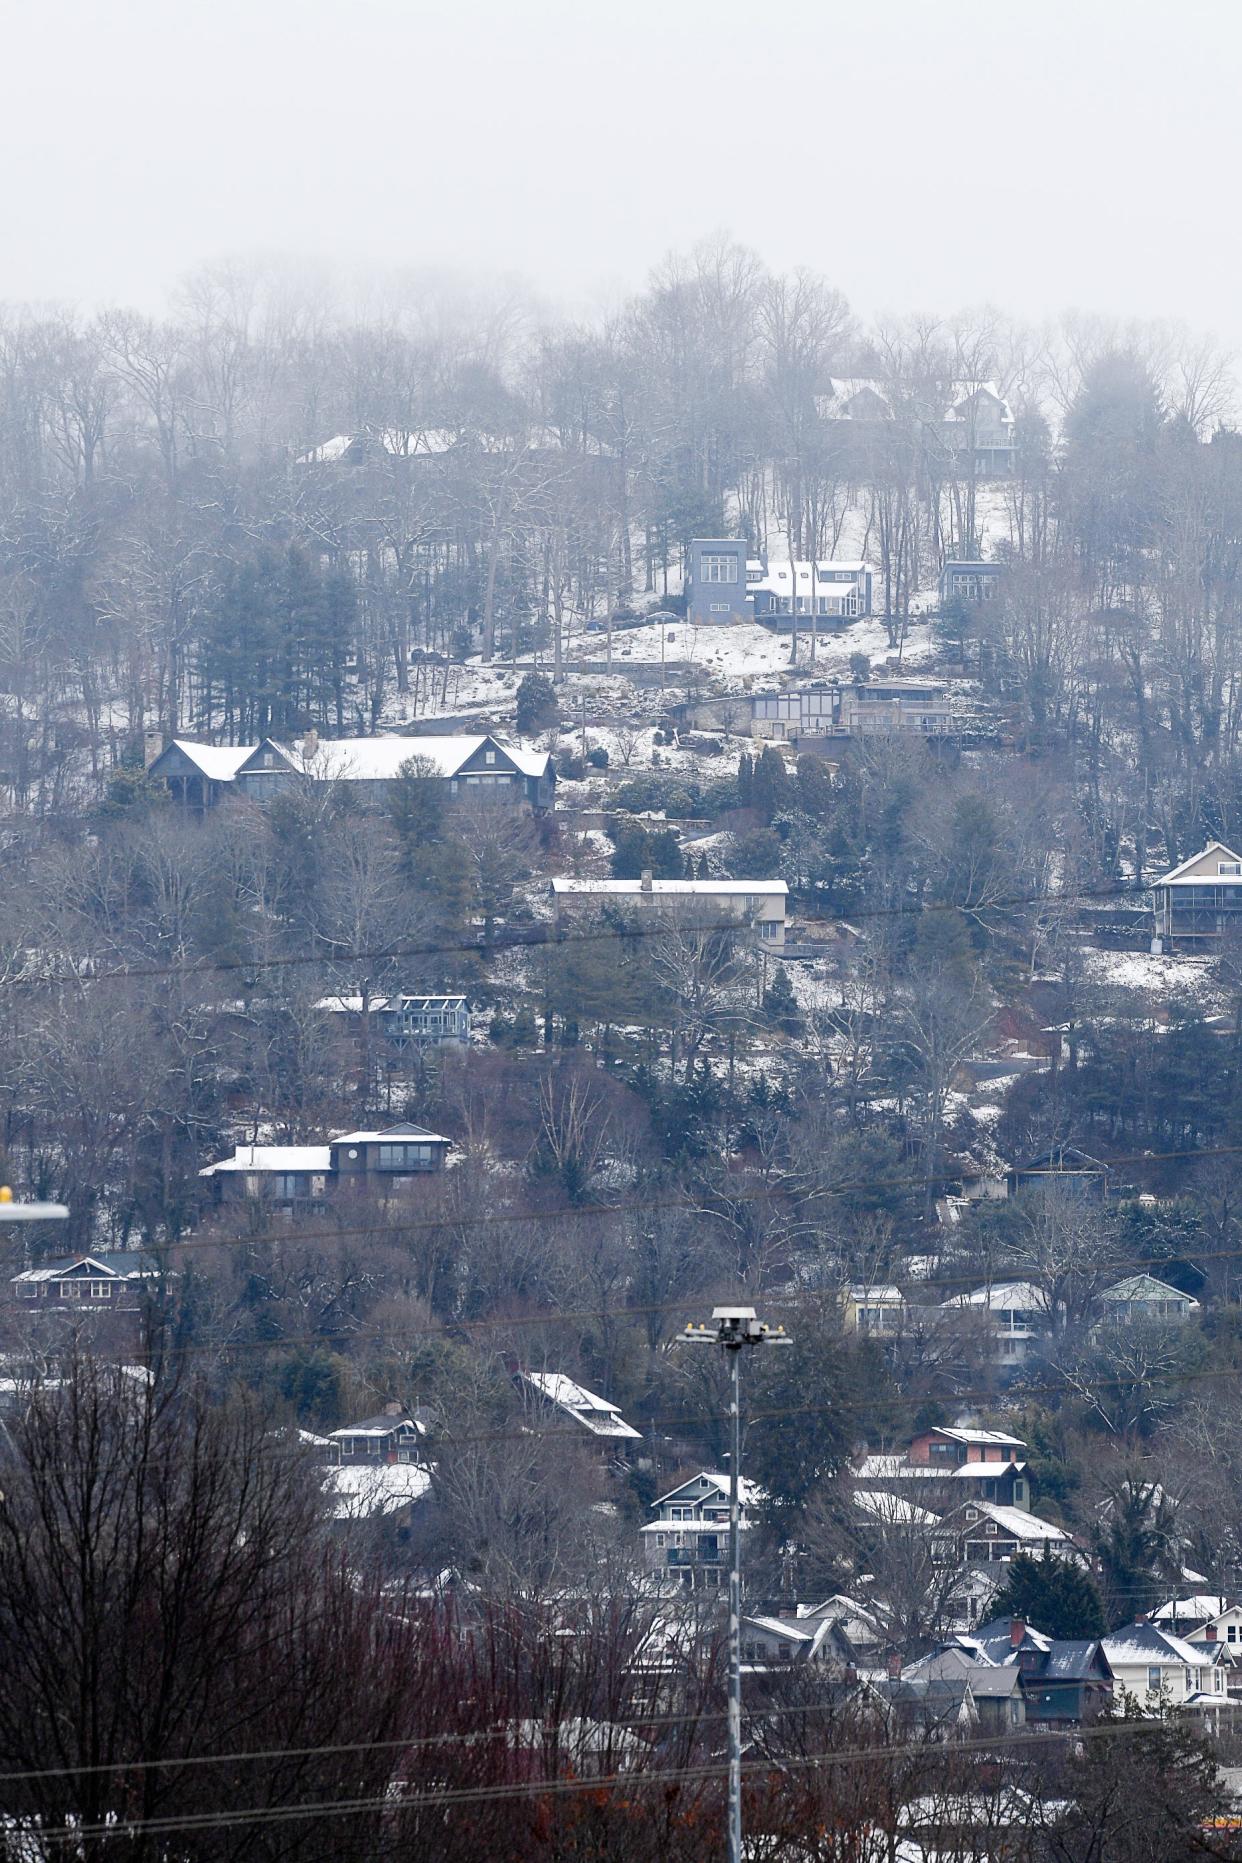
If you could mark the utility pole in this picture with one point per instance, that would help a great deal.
(735, 1328)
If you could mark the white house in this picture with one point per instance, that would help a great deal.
(760, 904)
(1019, 1312)
(1142, 1297)
(1156, 1666)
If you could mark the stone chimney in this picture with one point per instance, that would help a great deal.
(1017, 1633)
(394, 1410)
(644, 883)
(152, 746)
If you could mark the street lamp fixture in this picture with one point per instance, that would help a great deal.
(735, 1328)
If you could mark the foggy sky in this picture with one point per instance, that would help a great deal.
(923, 154)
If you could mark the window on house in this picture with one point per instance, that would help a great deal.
(1153, 1679)
(28, 1290)
(1233, 867)
(711, 1578)
(768, 928)
(489, 756)
(101, 1290)
(717, 567)
(1232, 1633)
(720, 608)
(71, 1290)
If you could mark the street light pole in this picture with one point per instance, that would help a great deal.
(735, 1328)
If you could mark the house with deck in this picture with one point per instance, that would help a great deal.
(687, 1543)
(289, 1175)
(114, 1282)
(1142, 1299)
(725, 584)
(839, 709)
(1019, 1314)
(1199, 902)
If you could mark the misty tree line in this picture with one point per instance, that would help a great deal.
(175, 551)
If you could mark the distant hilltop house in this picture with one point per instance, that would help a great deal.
(1141, 1298)
(986, 1464)
(760, 904)
(112, 1282)
(200, 775)
(725, 584)
(840, 709)
(1200, 901)
(1019, 1314)
(293, 1174)
(968, 422)
(419, 1021)
(970, 582)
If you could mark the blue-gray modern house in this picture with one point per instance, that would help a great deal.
(725, 584)
(970, 582)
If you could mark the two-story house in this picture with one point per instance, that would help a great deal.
(688, 1541)
(1019, 1314)
(834, 709)
(287, 1175)
(392, 1436)
(1060, 1681)
(985, 1533)
(724, 585)
(970, 583)
(877, 1310)
(1198, 902)
(481, 767)
(988, 1464)
(1157, 1667)
(756, 904)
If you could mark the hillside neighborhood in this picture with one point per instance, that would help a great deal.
(584, 850)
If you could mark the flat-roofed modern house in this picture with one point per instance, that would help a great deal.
(1198, 902)
(835, 709)
(717, 593)
(287, 1175)
(482, 767)
(970, 582)
(759, 904)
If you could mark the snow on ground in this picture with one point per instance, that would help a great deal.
(1165, 978)
(747, 651)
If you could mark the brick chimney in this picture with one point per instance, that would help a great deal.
(1209, 1633)
(894, 1665)
(1017, 1633)
(644, 883)
(394, 1410)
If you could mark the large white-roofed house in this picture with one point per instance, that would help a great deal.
(595, 1415)
(759, 904)
(1198, 902)
(472, 766)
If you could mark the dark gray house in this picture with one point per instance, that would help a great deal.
(716, 587)
(971, 582)
(288, 1175)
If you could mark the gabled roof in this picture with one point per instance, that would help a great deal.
(219, 763)
(670, 889)
(1141, 1287)
(594, 1413)
(1202, 1608)
(893, 1510)
(380, 759)
(1181, 875)
(1017, 1523)
(1146, 1643)
(750, 1493)
(117, 1266)
(1003, 1295)
(982, 1437)
(380, 1425)
(384, 1134)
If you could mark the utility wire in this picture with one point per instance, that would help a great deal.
(541, 936)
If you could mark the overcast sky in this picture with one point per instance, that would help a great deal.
(923, 154)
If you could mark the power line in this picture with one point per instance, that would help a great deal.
(395, 1802)
(543, 936)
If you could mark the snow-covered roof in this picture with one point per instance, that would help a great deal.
(876, 1293)
(684, 889)
(1199, 1609)
(1182, 876)
(1019, 1524)
(893, 1509)
(981, 1437)
(781, 1627)
(749, 1492)
(594, 1413)
(314, 1158)
(218, 762)
(380, 759)
(1147, 1644)
(112, 1267)
(393, 1135)
(356, 1490)
(1002, 1296)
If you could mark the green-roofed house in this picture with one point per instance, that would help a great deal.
(1141, 1297)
